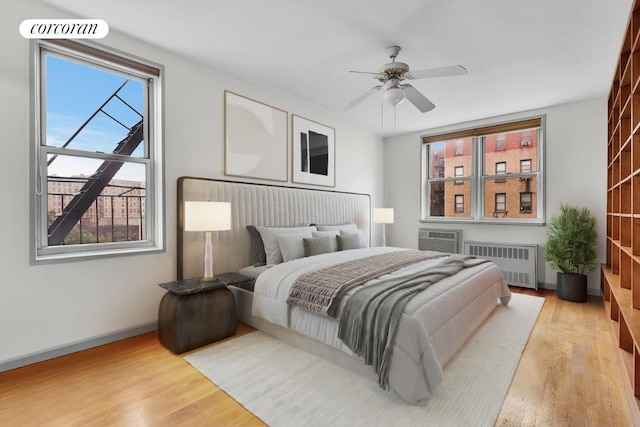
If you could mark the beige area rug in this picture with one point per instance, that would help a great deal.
(286, 386)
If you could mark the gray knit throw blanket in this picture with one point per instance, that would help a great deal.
(320, 291)
(370, 319)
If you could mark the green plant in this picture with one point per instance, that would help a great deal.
(571, 241)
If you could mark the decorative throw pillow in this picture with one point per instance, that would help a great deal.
(291, 245)
(349, 241)
(350, 228)
(319, 245)
(332, 235)
(270, 240)
(257, 255)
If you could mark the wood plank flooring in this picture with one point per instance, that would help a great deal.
(567, 377)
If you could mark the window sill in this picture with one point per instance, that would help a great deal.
(488, 221)
(92, 255)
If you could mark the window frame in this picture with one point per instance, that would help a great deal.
(478, 175)
(455, 174)
(455, 203)
(111, 60)
(525, 211)
(525, 160)
(503, 196)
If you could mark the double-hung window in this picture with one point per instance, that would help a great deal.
(498, 168)
(97, 178)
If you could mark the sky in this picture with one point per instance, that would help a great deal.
(74, 92)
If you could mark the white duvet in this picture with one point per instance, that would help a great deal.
(435, 324)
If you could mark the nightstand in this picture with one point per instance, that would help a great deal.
(194, 313)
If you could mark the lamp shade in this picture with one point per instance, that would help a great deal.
(394, 96)
(383, 215)
(207, 216)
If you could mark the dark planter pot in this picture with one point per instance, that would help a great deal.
(572, 287)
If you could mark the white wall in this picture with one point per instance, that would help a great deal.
(50, 306)
(576, 173)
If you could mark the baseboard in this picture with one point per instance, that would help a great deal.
(77, 346)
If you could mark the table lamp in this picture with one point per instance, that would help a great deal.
(383, 216)
(208, 217)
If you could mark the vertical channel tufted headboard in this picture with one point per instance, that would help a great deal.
(258, 204)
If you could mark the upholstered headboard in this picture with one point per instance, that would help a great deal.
(258, 204)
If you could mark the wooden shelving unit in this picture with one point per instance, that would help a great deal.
(621, 274)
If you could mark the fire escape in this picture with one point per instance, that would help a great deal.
(75, 209)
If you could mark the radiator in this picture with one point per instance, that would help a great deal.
(518, 263)
(431, 239)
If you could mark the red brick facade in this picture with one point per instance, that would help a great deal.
(504, 197)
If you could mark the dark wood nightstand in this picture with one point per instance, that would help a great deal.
(194, 313)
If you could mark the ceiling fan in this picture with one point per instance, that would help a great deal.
(394, 91)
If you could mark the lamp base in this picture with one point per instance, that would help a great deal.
(209, 279)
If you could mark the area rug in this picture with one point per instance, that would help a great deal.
(285, 386)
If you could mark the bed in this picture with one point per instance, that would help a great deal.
(433, 327)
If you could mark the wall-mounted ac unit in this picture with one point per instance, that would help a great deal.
(432, 239)
(519, 263)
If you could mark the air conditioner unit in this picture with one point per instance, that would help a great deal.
(431, 239)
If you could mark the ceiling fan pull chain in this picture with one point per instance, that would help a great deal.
(395, 117)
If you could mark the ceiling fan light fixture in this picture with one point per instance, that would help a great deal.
(394, 96)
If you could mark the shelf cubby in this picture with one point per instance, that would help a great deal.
(635, 153)
(635, 237)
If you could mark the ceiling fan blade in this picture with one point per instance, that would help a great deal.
(451, 70)
(373, 73)
(362, 97)
(416, 98)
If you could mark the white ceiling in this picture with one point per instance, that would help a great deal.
(520, 54)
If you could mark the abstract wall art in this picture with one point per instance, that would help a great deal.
(313, 152)
(255, 136)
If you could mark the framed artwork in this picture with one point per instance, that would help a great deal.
(314, 148)
(255, 139)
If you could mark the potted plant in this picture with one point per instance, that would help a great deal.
(571, 250)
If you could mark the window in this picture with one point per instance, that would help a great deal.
(483, 172)
(97, 143)
(525, 202)
(459, 200)
(458, 171)
(525, 139)
(501, 169)
(501, 204)
(459, 147)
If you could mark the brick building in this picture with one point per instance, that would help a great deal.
(117, 214)
(505, 196)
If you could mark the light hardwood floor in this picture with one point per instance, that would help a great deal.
(567, 377)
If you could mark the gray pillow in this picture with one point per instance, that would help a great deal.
(257, 254)
(270, 240)
(291, 245)
(319, 245)
(332, 234)
(349, 241)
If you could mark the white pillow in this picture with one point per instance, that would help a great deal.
(360, 233)
(292, 245)
(353, 228)
(270, 239)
